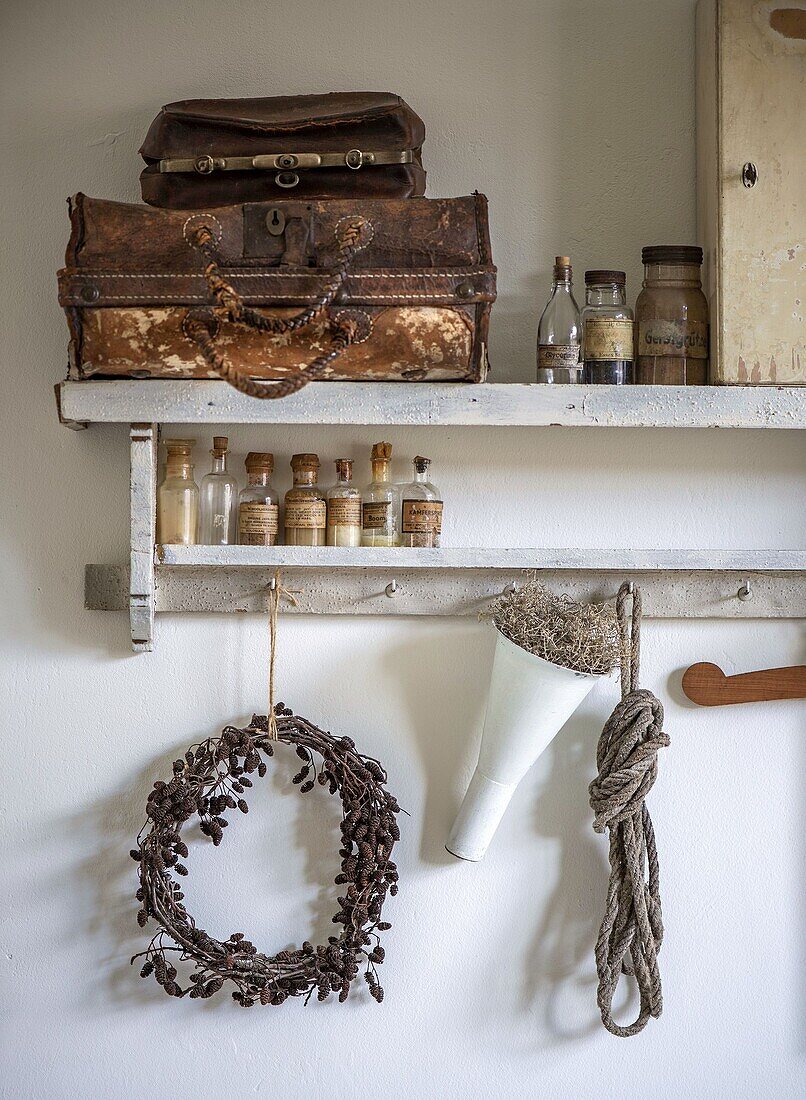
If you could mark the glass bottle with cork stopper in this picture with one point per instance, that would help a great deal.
(671, 318)
(178, 496)
(607, 329)
(344, 508)
(258, 503)
(305, 504)
(380, 511)
(422, 508)
(559, 333)
(218, 498)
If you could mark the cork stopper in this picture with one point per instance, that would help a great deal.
(344, 469)
(220, 446)
(305, 462)
(180, 456)
(381, 452)
(180, 448)
(421, 464)
(562, 268)
(259, 460)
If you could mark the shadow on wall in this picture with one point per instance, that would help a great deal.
(560, 971)
(108, 876)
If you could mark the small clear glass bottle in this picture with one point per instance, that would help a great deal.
(559, 334)
(258, 503)
(671, 318)
(380, 511)
(607, 327)
(421, 522)
(178, 496)
(344, 508)
(305, 504)
(218, 498)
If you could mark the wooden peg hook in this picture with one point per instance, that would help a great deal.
(708, 685)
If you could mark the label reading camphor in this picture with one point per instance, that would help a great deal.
(422, 516)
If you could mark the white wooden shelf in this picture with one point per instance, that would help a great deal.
(452, 581)
(459, 558)
(448, 404)
(676, 583)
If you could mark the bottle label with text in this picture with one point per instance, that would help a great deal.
(308, 514)
(607, 338)
(550, 356)
(420, 516)
(257, 523)
(676, 338)
(375, 515)
(344, 512)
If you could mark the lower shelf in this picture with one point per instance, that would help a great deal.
(363, 581)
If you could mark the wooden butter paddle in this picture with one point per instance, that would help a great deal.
(708, 685)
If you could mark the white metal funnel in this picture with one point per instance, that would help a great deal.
(530, 701)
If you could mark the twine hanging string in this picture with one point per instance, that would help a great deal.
(632, 929)
(275, 592)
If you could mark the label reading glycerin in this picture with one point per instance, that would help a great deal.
(551, 356)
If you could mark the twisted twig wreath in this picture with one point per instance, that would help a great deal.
(211, 780)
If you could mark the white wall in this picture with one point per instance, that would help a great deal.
(577, 120)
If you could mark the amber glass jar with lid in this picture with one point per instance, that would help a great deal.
(671, 318)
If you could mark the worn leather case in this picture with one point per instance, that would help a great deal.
(201, 153)
(415, 295)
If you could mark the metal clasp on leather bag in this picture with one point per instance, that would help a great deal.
(286, 162)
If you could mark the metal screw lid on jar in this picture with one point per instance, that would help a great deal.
(672, 254)
(600, 278)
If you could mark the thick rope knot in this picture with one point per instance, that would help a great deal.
(627, 758)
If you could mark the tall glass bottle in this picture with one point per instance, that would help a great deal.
(305, 504)
(559, 334)
(344, 508)
(607, 325)
(258, 503)
(178, 496)
(218, 498)
(380, 511)
(422, 508)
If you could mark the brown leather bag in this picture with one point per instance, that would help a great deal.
(291, 292)
(214, 152)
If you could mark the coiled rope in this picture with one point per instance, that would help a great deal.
(627, 758)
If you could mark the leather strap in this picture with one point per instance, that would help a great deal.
(205, 164)
(230, 306)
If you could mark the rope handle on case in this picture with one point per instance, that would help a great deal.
(200, 326)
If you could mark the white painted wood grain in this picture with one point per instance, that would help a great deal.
(452, 404)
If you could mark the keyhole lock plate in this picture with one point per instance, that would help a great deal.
(275, 222)
(749, 174)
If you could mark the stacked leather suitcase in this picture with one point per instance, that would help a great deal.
(288, 240)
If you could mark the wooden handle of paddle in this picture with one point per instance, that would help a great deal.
(708, 685)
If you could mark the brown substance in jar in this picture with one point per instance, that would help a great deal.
(671, 319)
